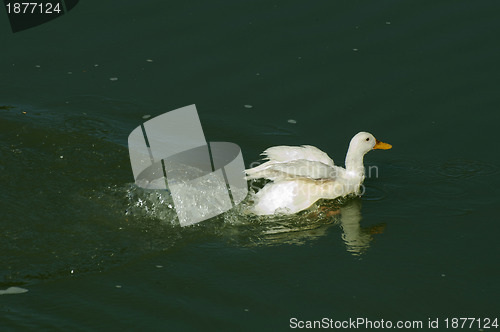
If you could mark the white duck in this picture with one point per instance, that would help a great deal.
(303, 175)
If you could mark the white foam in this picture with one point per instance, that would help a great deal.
(13, 290)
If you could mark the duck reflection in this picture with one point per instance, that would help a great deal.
(315, 223)
(357, 239)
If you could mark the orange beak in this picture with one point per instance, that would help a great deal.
(381, 145)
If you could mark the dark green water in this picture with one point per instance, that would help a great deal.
(96, 253)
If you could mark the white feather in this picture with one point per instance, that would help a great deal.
(288, 153)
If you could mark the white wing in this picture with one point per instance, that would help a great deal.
(294, 169)
(289, 162)
(290, 153)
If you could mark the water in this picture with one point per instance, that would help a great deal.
(97, 253)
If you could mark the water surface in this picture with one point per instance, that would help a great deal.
(95, 252)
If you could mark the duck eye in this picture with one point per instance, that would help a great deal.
(367, 139)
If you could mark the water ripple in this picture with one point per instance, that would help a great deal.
(448, 188)
(374, 193)
(463, 168)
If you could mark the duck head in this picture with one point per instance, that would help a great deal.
(360, 144)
